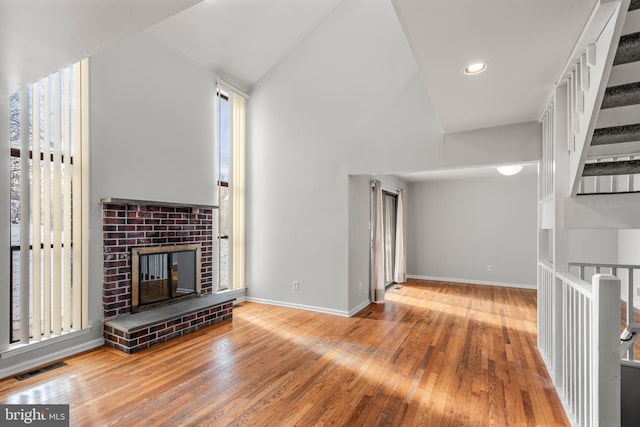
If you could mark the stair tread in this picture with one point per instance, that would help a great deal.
(616, 134)
(621, 151)
(628, 49)
(621, 95)
(618, 167)
(624, 73)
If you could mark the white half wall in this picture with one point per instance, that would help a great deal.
(593, 245)
(516, 143)
(457, 228)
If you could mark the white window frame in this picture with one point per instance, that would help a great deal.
(236, 184)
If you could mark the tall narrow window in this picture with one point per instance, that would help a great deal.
(230, 136)
(224, 168)
(49, 210)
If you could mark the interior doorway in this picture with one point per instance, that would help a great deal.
(387, 225)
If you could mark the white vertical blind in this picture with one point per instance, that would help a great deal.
(56, 293)
(82, 156)
(46, 203)
(36, 195)
(24, 214)
(66, 202)
(76, 184)
(53, 203)
(238, 114)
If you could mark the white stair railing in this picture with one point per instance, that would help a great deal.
(626, 274)
(590, 382)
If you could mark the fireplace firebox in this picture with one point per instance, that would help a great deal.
(164, 274)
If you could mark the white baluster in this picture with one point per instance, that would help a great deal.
(584, 68)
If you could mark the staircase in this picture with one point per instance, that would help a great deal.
(612, 165)
(590, 145)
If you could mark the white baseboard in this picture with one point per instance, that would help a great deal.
(364, 304)
(49, 358)
(359, 307)
(299, 306)
(473, 282)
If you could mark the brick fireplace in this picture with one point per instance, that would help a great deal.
(129, 225)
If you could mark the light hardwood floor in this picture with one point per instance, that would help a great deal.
(434, 354)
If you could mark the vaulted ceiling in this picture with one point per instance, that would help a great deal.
(38, 37)
(242, 39)
(525, 43)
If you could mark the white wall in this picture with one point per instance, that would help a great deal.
(348, 99)
(151, 124)
(593, 245)
(459, 227)
(629, 246)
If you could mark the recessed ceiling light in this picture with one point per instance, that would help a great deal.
(474, 69)
(509, 169)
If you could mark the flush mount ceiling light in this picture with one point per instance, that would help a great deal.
(474, 69)
(509, 169)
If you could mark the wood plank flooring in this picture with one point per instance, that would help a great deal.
(434, 354)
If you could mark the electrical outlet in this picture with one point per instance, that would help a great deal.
(296, 285)
(360, 285)
(489, 267)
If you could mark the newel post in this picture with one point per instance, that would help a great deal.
(606, 350)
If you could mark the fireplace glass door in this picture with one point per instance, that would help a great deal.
(164, 276)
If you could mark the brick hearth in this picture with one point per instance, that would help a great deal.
(131, 333)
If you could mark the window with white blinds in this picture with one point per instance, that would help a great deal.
(230, 142)
(49, 206)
